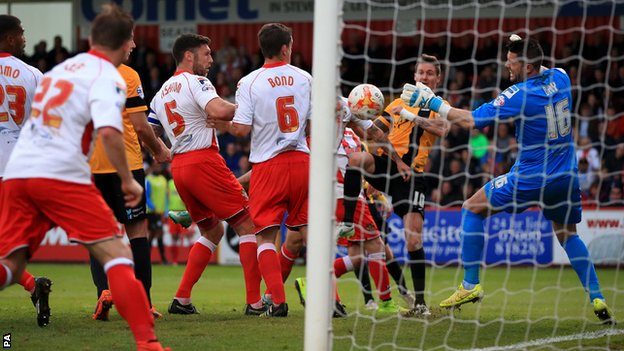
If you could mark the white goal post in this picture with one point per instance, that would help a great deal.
(321, 245)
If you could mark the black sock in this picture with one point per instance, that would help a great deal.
(99, 276)
(352, 189)
(417, 266)
(161, 249)
(142, 264)
(394, 268)
(362, 274)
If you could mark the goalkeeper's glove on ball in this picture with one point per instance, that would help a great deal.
(421, 96)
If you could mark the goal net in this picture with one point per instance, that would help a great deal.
(533, 298)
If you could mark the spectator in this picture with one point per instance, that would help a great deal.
(586, 176)
(58, 53)
(615, 196)
(586, 151)
(232, 156)
(479, 145)
(39, 53)
(243, 165)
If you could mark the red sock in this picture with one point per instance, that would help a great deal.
(27, 281)
(198, 259)
(342, 265)
(248, 251)
(287, 260)
(269, 267)
(131, 302)
(380, 276)
(336, 296)
(174, 251)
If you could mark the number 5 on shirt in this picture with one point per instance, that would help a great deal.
(174, 117)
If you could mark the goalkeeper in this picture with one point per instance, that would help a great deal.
(545, 172)
(400, 174)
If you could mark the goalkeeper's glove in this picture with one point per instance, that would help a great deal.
(421, 96)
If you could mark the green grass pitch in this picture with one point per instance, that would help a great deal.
(521, 304)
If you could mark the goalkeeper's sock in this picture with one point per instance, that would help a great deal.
(362, 274)
(352, 189)
(583, 265)
(472, 241)
(417, 267)
(394, 269)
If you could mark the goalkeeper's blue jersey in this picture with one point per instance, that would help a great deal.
(540, 108)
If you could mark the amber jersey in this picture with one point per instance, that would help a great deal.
(134, 103)
(411, 143)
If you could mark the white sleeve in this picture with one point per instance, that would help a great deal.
(245, 109)
(203, 91)
(309, 116)
(107, 99)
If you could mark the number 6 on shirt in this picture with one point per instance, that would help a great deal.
(287, 116)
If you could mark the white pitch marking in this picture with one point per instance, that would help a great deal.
(580, 336)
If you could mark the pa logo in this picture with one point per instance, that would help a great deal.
(6, 341)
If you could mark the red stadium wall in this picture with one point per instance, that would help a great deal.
(564, 30)
(55, 247)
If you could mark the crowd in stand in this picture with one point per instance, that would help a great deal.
(464, 160)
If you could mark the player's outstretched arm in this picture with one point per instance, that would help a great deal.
(158, 149)
(378, 133)
(421, 96)
(218, 108)
(437, 126)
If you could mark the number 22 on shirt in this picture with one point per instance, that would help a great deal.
(58, 97)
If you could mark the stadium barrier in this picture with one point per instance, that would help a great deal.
(526, 238)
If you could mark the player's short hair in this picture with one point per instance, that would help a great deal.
(112, 27)
(271, 38)
(187, 42)
(528, 50)
(9, 25)
(424, 58)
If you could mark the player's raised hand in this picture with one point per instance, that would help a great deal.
(421, 96)
(133, 191)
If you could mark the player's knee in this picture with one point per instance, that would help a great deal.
(294, 241)
(476, 204)
(212, 231)
(356, 261)
(375, 245)
(359, 160)
(414, 239)
(414, 243)
(207, 225)
(242, 223)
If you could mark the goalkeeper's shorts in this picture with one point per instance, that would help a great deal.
(560, 199)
